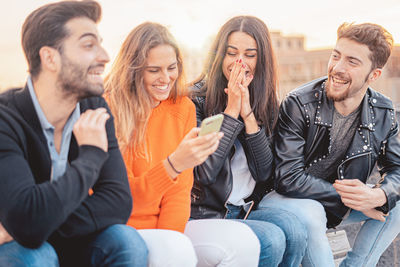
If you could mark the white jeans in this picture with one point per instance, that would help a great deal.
(168, 248)
(221, 243)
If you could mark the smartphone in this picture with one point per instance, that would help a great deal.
(211, 124)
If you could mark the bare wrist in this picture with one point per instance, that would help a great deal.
(172, 166)
(231, 113)
(176, 163)
(251, 125)
(380, 196)
(169, 170)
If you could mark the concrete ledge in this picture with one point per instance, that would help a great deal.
(339, 244)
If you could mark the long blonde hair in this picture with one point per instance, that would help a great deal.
(129, 101)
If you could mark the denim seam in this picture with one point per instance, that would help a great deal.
(375, 242)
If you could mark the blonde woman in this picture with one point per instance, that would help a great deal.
(155, 125)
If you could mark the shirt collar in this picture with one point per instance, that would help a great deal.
(46, 125)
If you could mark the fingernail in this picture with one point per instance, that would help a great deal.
(240, 60)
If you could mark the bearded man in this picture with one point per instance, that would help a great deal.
(331, 133)
(57, 144)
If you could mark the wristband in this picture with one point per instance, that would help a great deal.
(172, 166)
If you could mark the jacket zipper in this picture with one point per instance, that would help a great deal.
(357, 156)
(369, 158)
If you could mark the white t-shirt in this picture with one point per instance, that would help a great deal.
(243, 182)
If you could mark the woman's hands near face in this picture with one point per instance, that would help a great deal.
(239, 97)
(245, 108)
(238, 92)
(233, 91)
(246, 112)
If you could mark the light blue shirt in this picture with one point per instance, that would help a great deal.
(59, 161)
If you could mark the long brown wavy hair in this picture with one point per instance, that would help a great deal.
(129, 101)
(263, 88)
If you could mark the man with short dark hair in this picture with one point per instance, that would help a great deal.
(64, 194)
(330, 134)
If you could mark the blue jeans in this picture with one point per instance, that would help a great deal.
(283, 238)
(373, 238)
(13, 254)
(371, 241)
(117, 245)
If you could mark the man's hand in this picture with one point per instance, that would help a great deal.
(90, 128)
(358, 196)
(375, 214)
(4, 236)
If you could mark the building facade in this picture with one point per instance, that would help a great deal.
(298, 65)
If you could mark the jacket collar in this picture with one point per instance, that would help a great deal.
(325, 109)
(24, 104)
(367, 118)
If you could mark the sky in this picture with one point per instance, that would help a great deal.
(192, 22)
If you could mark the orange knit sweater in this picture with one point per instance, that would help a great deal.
(158, 201)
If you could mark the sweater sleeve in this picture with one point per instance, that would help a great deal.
(155, 192)
(155, 185)
(154, 182)
(175, 205)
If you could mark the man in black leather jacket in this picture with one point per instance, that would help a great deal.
(331, 133)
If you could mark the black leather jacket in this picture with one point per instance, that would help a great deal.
(213, 179)
(302, 139)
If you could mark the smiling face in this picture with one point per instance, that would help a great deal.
(349, 70)
(240, 46)
(160, 73)
(82, 59)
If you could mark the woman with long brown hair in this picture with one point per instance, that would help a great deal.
(155, 125)
(239, 81)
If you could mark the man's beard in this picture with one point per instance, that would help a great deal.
(73, 80)
(329, 92)
(334, 97)
(344, 95)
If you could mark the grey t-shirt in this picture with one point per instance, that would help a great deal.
(342, 132)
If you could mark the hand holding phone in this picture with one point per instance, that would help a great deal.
(196, 146)
(211, 124)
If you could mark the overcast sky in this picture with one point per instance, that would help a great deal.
(193, 21)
